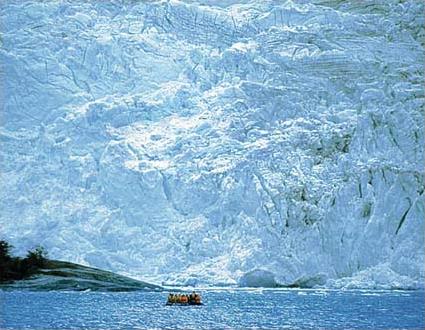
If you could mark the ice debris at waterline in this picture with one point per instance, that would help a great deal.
(209, 142)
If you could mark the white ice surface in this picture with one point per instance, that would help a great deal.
(194, 142)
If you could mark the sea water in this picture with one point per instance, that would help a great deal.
(239, 309)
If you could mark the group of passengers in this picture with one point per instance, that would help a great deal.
(193, 298)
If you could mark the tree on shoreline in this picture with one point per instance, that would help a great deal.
(15, 268)
(5, 248)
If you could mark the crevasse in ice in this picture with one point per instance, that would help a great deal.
(217, 142)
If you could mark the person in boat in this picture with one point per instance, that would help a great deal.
(197, 298)
(192, 297)
(183, 299)
(170, 298)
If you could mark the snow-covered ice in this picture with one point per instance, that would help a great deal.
(217, 142)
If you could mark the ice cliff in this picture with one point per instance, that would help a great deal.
(217, 142)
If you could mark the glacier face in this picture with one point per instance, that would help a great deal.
(209, 142)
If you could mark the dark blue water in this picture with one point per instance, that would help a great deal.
(223, 309)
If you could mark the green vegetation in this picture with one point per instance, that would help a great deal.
(16, 268)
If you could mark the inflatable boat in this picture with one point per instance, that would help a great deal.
(192, 303)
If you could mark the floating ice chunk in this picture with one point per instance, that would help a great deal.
(258, 278)
(378, 277)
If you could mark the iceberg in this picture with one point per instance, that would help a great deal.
(199, 142)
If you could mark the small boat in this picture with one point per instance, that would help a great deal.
(183, 304)
(184, 299)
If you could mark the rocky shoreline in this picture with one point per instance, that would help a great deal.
(61, 275)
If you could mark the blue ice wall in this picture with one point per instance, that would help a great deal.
(217, 142)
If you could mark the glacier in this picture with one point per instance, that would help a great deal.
(217, 143)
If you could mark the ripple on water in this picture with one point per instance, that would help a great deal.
(223, 309)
